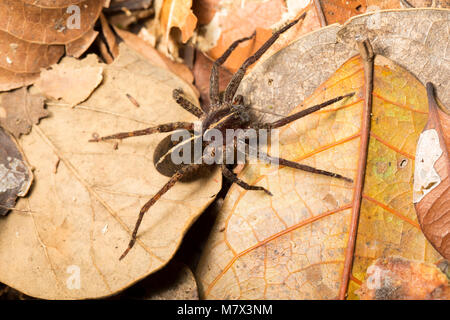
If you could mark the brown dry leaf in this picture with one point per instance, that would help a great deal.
(178, 13)
(36, 23)
(78, 221)
(397, 278)
(15, 174)
(432, 177)
(19, 110)
(26, 57)
(299, 243)
(72, 81)
(174, 282)
(33, 36)
(78, 47)
(12, 80)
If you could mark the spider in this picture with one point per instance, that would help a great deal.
(226, 111)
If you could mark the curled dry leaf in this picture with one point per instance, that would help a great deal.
(19, 110)
(76, 222)
(78, 47)
(15, 174)
(73, 81)
(33, 35)
(397, 278)
(298, 244)
(178, 13)
(432, 177)
(110, 38)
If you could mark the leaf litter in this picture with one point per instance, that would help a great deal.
(345, 38)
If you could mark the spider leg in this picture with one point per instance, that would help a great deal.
(303, 113)
(179, 97)
(230, 175)
(291, 164)
(214, 78)
(167, 127)
(237, 77)
(174, 179)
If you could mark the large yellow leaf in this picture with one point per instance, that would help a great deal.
(299, 243)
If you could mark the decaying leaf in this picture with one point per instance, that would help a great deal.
(299, 243)
(178, 13)
(72, 81)
(174, 282)
(76, 222)
(19, 110)
(397, 278)
(15, 174)
(432, 177)
(33, 35)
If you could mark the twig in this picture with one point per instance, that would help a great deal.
(367, 55)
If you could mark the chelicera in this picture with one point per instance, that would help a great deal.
(226, 111)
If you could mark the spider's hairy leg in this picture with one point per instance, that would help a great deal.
(230, 175)
(239, 75)
(174, 179)
(291, 164)
(167, 127)
(214, 95)
(303, 113)
(178, 96)
(303, 167)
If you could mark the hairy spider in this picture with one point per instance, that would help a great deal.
(226, 111)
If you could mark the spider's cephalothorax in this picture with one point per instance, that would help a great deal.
(227, 111)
